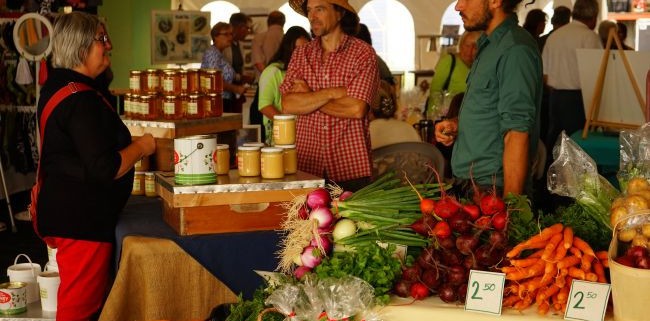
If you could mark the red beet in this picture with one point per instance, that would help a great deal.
(411, 273)
(636, 251)
(448, 243)
(427, 258)
(472, 210)
(483, 223)
(419, 291)
(466, 244)
(642, 262)
(498, 239)
(446, 207)
(442, 230)
(491, 204)
(427, 205)
(500, 221)
(625, 260)
(402, 288)
(457, 275)
(431, 278)
(447, 293)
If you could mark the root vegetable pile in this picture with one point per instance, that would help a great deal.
(544, 277)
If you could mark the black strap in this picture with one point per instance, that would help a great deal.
(445, 87)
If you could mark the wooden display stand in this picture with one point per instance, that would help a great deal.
(165, 131)
(233, 204)
(592, 115)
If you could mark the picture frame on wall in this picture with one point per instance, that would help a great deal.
(179, 37)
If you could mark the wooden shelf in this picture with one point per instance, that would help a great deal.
(627, 15)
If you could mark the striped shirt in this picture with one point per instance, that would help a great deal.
(338, 148)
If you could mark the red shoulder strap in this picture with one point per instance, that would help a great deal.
(58, 97)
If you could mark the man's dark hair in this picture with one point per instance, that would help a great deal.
(349, 22)
(364, 34)
(509, 6)
(276, 18)
(238, 19)
(561, 16)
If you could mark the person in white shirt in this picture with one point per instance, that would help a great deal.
(561, 74)
(266, 44)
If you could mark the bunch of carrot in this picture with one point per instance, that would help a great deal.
(545, 277)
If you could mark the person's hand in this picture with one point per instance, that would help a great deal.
(240, 90)
(300, 86)
(247, 79)
(147, 144)
(446, 131)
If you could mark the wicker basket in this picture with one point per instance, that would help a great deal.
(265, 311)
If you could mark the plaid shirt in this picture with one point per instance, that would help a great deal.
(336, 147)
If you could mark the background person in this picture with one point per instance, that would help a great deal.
(535, 24)
(497, 130)
(270, 100)
(561, 17)
(266, 44)
(87, 161)
(221, 35)
(330, 83)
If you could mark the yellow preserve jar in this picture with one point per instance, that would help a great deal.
(290, 158)
(134, 81)
(272, 164)
(254, 144)
(138, 184)
(149, 184)
(222, 159)
(248, 160)
(284, 129)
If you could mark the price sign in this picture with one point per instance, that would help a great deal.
(485, 292)
(587, 301)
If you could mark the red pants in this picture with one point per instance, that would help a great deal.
(84, 271)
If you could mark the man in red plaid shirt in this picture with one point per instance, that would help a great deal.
(330, 83)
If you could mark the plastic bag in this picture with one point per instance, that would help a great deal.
(574, 174)
(345, 297)
(635, 155)
(283, 299)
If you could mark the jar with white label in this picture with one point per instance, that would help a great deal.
(149, 184)
(272, 164)
(134, 81)
(171, 82)
(290, 158)
(248, 160)
(172, 108)
(284, 129)
(138, 184)
(194, 109)
(222, 159)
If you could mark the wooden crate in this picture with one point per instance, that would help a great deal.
(233, 204)
(165, 131)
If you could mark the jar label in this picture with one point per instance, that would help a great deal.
(183, 83)
(150, 186)
(136, 185)
(192, 108)
(168, 108)
(134, 83)
(168, 85)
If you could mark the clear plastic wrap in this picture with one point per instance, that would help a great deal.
(284, 299)
(345, 297)
(635, 155)
(310, 304)
(574, 174)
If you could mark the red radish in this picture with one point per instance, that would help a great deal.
(419, 291)
(411, 273)
(301, 271)
(491, 204)
(500, 221)
(442, 230)
(325, 241)
(472, 210)
(625, 260)
(310, 257)
(427, 205)
(446, 207)
(483, 222)
(420, 227)
(323, 215)
(319, 197)
(345, 195)
(303, 213)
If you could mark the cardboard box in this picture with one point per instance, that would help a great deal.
(232, 204)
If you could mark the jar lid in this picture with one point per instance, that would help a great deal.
(211, 71)
(170, 96)
(170, 71)
(286, 146)
(284, 116)
(152, 70)
(248, 148)
(148, 173)
(135, 72)
(139, 173)
(272, 150)
(222, 146)
(182, 71)
(259, 145)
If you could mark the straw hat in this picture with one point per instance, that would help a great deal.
(296, 5)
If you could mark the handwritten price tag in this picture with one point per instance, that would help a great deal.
(485, 292)
(587, 301)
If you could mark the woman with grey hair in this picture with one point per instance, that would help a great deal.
(86, 166)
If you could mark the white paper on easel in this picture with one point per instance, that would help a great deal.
(618, 103)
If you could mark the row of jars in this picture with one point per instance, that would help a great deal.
(253, 159)
(144, 183)
(175, 81)
(172, 107)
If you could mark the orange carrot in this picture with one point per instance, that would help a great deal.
(522, 263)
(568, 261)
(525, 246)
(602, 255)
(577, 273)
(546, 233)
(510, 269)
(560, 253)
(551, 245)
(537, 254)
(549, 272)
(523, 304)
(560, 280)
(592, 277)
(574, 250)
(550, 291)
(583, 246)
(600, 272)
(585, 263)
(563, 294)
(568, 237)
(511, 300)
(543, 307)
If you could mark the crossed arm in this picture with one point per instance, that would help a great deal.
(332, 101)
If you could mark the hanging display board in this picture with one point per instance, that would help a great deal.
(619, 103)
(179, 37)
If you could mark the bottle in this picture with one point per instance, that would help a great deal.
(248, 161)
(150, 184)
(222, 159)
(138, 184)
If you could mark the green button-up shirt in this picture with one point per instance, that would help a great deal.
(504, 92)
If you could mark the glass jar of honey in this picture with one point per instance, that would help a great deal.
(171, 82)
(134, 81)
(142, 165)
(212, 105)
(126, 105)
(284, 129)
(172, 108)
(222, 159)
(211, 81)
(290, 158)
(248, 161)
(194, 109)
(193, 81)
(138, 184)
(272, 164)
(150, 184)
(150, 81)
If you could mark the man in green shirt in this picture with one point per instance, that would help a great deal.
(497, 130)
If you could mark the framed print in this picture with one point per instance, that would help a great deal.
(179, 37)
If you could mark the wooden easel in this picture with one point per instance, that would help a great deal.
(591, 119)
